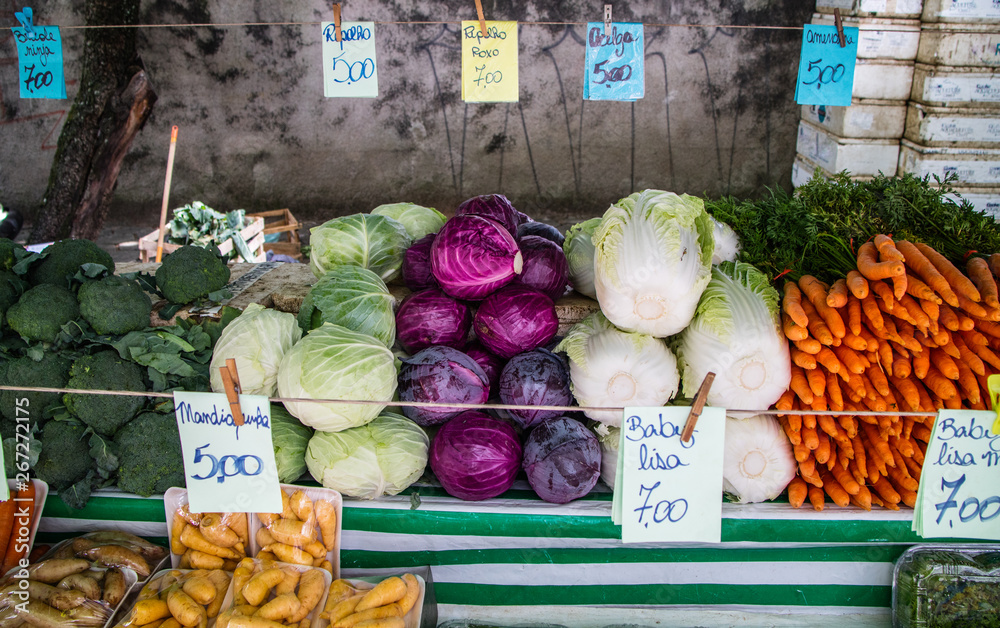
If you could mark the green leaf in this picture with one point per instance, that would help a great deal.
(78, 495)
(146, 280)
(180, 343)
(103, 453)
(414, 501)
(35, 352)
(168, 311)
(219, 295)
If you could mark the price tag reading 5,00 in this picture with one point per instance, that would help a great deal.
(227, 468)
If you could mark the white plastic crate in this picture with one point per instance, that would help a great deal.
(857, 156)
(952, 126)
(943, 86)
(880, 38)
(882, 79)
(960, 45)
(878, 8)
(871, 119)
(803, 169)
(983, 199)
(977, 167)
(969, 11)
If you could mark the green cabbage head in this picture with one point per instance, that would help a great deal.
(333, 362)
(380, 458)
(290, 439)
(352, 297)
(367, 240)
(418, 220)
(257, 339)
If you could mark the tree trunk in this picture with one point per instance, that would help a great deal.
(113, 103)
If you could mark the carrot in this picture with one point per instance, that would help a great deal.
(7, 520)
(854, 315)
(817, 497)
(817, 382)
(786, 401)
(17, 546)
(920, 290)
(988, 327)
(913, 308)
(927, 271)
(887, 251)
(983, 352)
(857, 284)
(816, 291)
(901, 366)
(885, 490)
(939, 384)
(863, 499)
(959, 283)
(803, 359)
(824, 450)
(836, 492)
(944, 363)
(791, 330)
(887, 300)
(912, 467)
(968, 383)
(979, 273)
(791, 304)
(800, 385)
(871, 268)
(808, 345)
(965, 322)
(829, 360)
(869, 306)
(878, 446)
(908, 389)
(855, 341)
(833, 392)
(948, 317)
(817, 326)
(971, 307)
(844, 478)
(879, 381)
(798, 490)
(828, 425)
(810, 438)
(837, 296)
(899, 286)
(994, 262)
(794, 436)
(850, 358)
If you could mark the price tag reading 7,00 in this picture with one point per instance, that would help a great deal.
(227, 468)
(971, 508)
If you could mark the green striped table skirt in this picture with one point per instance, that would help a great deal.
(517, 559)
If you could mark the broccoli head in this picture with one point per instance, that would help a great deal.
(11, 289)
(41, 312)
(65, 456)
(8, 253)
(115, 305)
(52, 371)
(189, 273)
(64, 258)
(104, 370)
(149, 454)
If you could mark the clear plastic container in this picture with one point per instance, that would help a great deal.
(947, 586)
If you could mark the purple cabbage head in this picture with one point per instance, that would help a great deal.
(430, 317)
(440, 374)
(475, 456)
(544, 266)
(492, 363)
(562, 459)
(473, 256)
(542, 229)
(535, 378)
(515, 319)
(417, 273)
(495, 207)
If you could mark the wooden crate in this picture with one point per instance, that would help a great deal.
(253, 233)
(282, 222)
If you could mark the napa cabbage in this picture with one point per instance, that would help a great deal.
(736, 334)
(652, 259)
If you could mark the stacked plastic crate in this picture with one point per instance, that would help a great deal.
(864, 138)
(953, 118)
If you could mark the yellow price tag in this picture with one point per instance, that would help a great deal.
(993, 384)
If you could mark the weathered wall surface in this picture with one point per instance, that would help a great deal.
(256, 132)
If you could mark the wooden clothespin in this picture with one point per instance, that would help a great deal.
(607, 20)
(482, 16)
(840, 27)
(336, 22)
(166, 194)
(697, 406)
(231, 380)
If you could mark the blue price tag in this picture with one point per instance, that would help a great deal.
(614, 62)
(826, 71)
(40, 62)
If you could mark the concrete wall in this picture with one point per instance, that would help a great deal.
(256, 132)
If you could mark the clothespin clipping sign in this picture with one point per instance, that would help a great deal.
(26, 17)
(339, 36)
(607, 19)
(227, 449)
(839, 25)
(481, 17)
(993, 384)
(697, 406)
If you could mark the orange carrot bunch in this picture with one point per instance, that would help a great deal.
(906, 332)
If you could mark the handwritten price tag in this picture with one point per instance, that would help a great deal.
(349, 69)
(614, 63)
(671, 491)
(959, 493)
(227, 468)
(40, 62)
(826, 71)
(489, 62)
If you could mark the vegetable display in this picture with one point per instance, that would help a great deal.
(758, 462)
(366, 240)
(475, 456)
